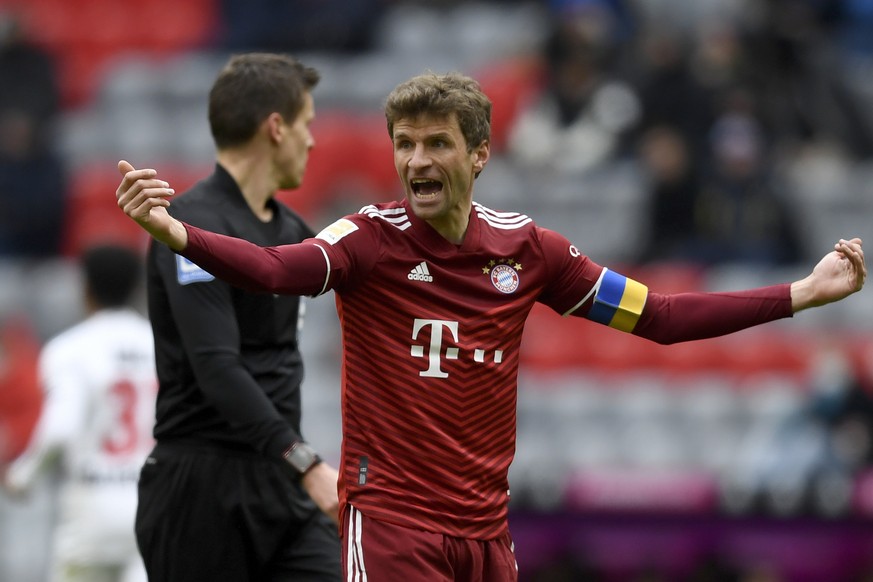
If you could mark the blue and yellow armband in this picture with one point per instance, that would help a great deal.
(618, 301)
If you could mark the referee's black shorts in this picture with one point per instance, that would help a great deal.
(208, 513)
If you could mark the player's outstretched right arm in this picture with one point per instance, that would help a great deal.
(144, 198)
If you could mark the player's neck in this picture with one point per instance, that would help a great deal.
(453, 228)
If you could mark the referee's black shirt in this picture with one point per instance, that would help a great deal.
(228, 362)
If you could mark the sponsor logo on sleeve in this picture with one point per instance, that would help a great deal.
(335, 232)
(188, 272)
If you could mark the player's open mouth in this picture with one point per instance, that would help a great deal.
(426, 189)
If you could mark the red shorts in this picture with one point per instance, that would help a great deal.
(377, 551)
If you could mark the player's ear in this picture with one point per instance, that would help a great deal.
(274, 127)
(481, 155)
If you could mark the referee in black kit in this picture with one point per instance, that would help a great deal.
(231, 491)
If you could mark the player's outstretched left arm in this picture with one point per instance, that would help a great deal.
(839, 274)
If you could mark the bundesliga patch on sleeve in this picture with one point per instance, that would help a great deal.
(188, 272)
(336, 231)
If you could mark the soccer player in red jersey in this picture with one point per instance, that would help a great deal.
(432, 294)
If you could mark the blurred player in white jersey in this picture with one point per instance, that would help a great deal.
(99, 381)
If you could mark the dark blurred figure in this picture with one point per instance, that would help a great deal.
(806, 53)
(670, 94)
(673, 184)
(345, 26)
(819, 450)
(842, 403)
(742, 213)
(32, 181)
(585, 114)
(726, 206)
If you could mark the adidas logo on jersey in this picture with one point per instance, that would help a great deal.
(420, 273)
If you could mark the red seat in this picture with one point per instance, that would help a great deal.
(83, 35)
(183, 25)
(92, 215)
(511, 85)
(20, 393)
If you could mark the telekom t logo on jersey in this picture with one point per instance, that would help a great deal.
(435, 351)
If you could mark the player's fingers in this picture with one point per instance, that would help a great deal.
(138, 205)
(132, 177)
(124, 167)
(856, 249)
(852, 250)
(142, 191)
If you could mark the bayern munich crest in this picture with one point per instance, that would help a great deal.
(503, 274)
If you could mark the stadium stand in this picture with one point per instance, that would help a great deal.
(625, 437)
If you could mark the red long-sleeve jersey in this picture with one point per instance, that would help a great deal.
(431, 334)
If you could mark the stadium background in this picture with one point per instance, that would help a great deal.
(718, 460)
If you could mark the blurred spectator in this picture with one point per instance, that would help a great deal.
(300, 25)
(742, 213)
(843, 405)
(673, 186)
(718, 60)
(853, 32)
(99, 381)
(810, 456)
(731, 211)
(609, 23)
(800, 49)
(32, 182)
(584, 115)
(670, 94)
(854, 27)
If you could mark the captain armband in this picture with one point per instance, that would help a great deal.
(618, 301)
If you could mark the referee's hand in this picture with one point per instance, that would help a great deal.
(320, 483)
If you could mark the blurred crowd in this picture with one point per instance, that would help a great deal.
(721, 105)
(717, 109)
(731, 114)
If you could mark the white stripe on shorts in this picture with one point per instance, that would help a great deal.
(357, 572)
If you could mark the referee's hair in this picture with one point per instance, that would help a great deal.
(112, 274)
